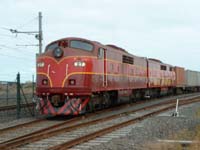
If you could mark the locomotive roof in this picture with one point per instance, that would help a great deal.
(75, 38)
(106, 46)
(116, 47)
(94, 42)
(156, 60)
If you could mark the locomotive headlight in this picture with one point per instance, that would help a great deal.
(79, 64)
(57, 52)
(40, 64)
(75, 64)
(44, 82)
(83, 64)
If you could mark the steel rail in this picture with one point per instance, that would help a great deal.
(66, 122)
(73, 120)
(49, 133)
(43, 131)
(11, 107)
(2, 131)
(107, 130)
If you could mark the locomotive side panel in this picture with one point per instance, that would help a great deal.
(125, 71)
(97, 76)
(154, 74)
(116, 79)
(160, 75)
(139, 73)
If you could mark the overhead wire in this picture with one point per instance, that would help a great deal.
(17, 37)
(16, 57)
(28, 56)
(16, 54)
(28, 22)
(20, 27)
(5, 35)
(12, 48)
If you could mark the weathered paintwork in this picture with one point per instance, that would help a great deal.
(100, 74)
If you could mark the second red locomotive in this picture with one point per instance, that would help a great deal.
(76, 75)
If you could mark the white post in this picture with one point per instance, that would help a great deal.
(176, 113)
(177, 106)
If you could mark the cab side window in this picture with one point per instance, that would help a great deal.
(100, 53)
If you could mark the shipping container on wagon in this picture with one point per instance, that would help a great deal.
(191, 78)
(198, 78)
(180, 76)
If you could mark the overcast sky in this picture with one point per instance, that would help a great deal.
(168, 30)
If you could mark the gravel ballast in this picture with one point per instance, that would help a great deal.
(150, 130)
(163, 126)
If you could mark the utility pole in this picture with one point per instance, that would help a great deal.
(40, 38)
(38, 34)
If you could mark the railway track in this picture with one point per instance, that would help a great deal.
(31, 123)
(12, 107)
(87, 129)
(93, 135)
(21, 130)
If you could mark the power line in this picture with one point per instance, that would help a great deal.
(28, 22)
(38, 34)
(22, 25)
(12, 48)
(27, 57)
(15, 37)
(25, 32)
(16, 57)
(26, 45)
(5, 35)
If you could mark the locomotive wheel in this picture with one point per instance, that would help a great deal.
(106, 100)
(132, 98)
(90, 107)
(137, 95)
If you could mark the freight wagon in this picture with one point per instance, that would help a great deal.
(192, 80)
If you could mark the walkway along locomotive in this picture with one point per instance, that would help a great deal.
(76, 75)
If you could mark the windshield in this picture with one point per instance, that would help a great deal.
(81, 45)
(52, 46)
(62, 43)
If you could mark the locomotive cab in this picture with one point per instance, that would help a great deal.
(63, 74)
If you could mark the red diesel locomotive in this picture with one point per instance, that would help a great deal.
(76, 75)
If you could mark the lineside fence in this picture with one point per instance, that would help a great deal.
(18, 95)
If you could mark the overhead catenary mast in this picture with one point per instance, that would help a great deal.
(40, 38)
(38, 34)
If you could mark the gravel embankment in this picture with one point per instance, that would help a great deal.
(159, 127)
(148, 131)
